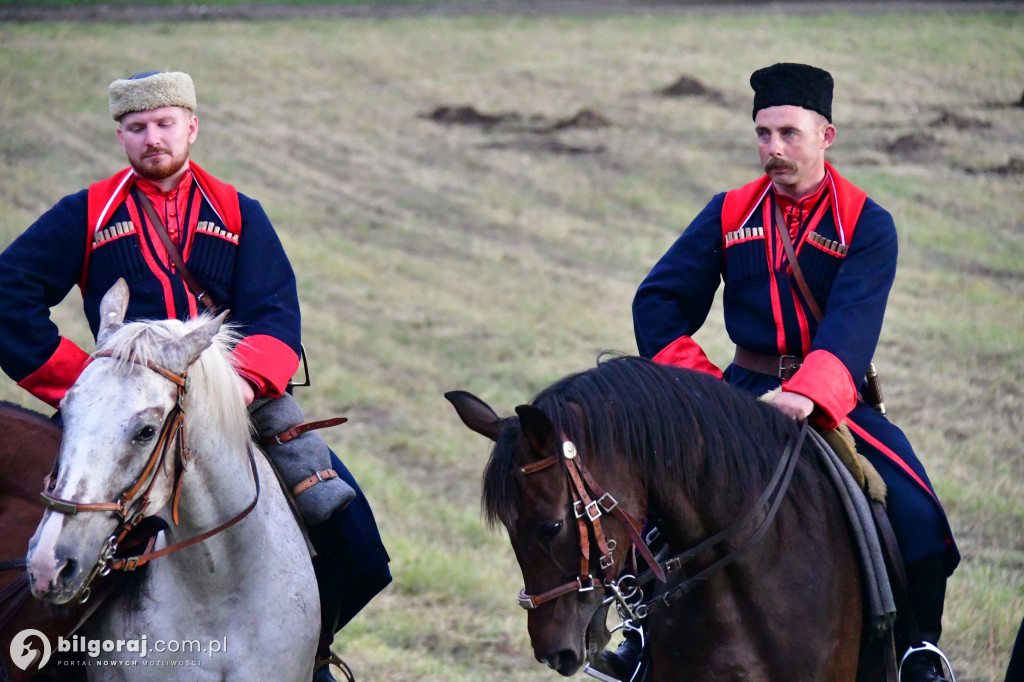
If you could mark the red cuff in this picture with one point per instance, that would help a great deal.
(50, 382)
(824, 379)
(267, 362)
(685, 352)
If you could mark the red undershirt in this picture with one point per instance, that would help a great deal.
(796, 212)
(170, 206)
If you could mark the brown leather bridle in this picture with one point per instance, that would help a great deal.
(172, 432)
(589, 503)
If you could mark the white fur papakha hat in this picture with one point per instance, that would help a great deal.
(151, 90)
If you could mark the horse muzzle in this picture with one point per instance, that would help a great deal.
(57, 572)
(565, 662)
(569, 634)
(56, 578)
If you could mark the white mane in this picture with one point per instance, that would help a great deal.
(213, 400)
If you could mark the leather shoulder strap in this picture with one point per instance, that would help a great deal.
(172, 250)
(794, 264)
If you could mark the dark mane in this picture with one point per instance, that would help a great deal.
(673, 424)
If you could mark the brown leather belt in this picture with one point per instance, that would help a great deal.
(781, 366)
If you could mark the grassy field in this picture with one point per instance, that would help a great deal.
(497, 258)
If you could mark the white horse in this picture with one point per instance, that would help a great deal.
(241, 603)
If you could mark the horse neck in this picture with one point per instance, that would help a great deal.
(217, 485)
(688, 513)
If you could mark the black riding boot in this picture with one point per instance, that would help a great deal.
(623, 661)
(926, 583)
(351, 566)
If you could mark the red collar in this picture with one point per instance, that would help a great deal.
(153, 191)
(797, 211)
(172, 205)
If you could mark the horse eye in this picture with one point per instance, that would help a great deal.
(144, 435)
(548, 531)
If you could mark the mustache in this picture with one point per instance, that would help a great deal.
(779, 164)
(153, 151)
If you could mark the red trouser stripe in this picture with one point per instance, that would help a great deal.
(875, 443)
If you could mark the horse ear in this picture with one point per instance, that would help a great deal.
(112, 310)
(191, 346)
(475, 413)
(537, 427)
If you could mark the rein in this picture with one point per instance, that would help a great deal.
(589, 502)
(173, 431)
(776, 488)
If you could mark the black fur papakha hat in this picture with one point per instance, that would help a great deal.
(798, 85)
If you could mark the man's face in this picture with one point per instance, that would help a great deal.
(158, 141)
(792, 142)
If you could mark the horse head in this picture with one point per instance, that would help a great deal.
(569, 558)
(120, 418)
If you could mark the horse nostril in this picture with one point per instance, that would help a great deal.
(564, 662)
(69, 568)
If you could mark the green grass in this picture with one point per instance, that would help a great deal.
(432, 258)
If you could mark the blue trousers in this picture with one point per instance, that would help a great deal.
(351, 564)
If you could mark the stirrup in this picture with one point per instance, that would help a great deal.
(336, 661)
(930, 648)
(598, 675)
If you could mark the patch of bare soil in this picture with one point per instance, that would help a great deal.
(514, 122)
(914, 147)
(585, 118)
(468, 116)
(688, 86)
(949, 119)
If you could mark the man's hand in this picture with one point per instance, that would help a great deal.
(248, 393)
(797, 406)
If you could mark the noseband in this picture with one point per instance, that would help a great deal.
(589, 503)
(172, 431)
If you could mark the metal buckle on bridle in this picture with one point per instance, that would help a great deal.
(607, 502)
(591, 510)
(607, 560)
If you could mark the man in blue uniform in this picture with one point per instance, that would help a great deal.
(814, 339)
(142, 224)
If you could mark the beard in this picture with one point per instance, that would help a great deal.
(162, 169)
(775, 164)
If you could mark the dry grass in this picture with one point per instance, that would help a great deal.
(434, 257)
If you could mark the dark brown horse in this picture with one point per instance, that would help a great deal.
(774, 595)
(28, 443)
